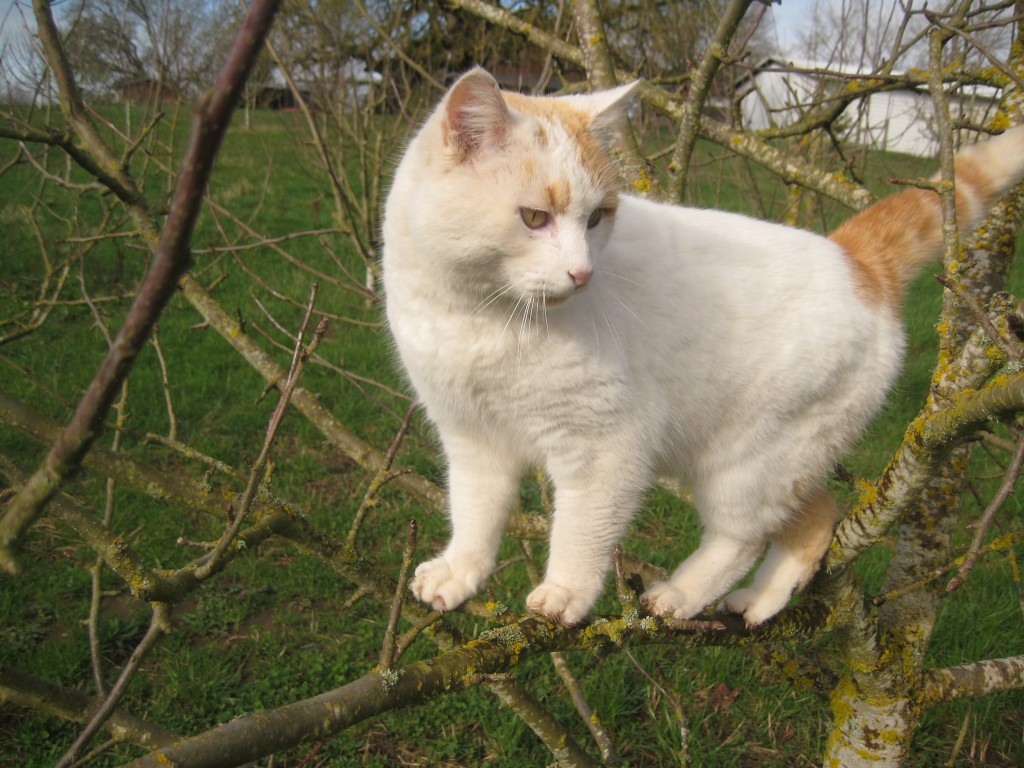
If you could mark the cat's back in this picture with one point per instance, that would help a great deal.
(739, 272)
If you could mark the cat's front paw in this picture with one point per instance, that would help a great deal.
(558, 604)
(756, 607)
(445, 583)
(664, 599)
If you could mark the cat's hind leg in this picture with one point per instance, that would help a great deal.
(793, 558)
(482, 485)
(702, 578)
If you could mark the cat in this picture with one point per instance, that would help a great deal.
(546, 319)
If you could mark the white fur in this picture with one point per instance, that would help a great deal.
(731, 353)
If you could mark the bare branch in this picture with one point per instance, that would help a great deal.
(171, 260)
(359, 451)
(34, 692)
(985, 522)
(299, 358)
(159, 625)
(389, 648)
(700, 84)
(976, 679)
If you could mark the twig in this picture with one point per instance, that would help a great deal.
(95, 603)
(983, 525)
(677, 710)
(998, 545)
(44, 303)
(97, 569)
(389, 648)
(609, 754)
(172, 421)
(972, 41)
(299, 358)
(352, 286)
(428, 620)
(380, 478)
(345, 201)
(959, 743)
(158, 625)
(625, 592)
(265, 241)
(689, 125)
(954, 285)
(1015, 576)
(95, 752)
(216, 465)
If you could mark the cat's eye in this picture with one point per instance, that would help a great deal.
(533, 218)
(595, 218)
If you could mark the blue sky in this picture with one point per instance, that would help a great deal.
(11, 17)
(790, 18)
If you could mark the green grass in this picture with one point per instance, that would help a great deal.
(274, 627)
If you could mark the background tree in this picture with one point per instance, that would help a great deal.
(205, 532)
(176, 42)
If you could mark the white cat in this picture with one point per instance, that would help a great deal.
(546, 319)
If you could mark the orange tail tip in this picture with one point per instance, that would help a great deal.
(888, 242)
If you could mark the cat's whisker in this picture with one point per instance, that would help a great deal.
(511, 315)
(490, 299)
(615, 334)
(631, 311)
(524, 323)
(625, 279)
(524, 326)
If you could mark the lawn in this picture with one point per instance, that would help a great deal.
(279, 625)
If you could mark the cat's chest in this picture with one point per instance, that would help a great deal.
(514, 369)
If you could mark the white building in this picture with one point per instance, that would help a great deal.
(777, 94)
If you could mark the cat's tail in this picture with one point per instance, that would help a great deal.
(889, 241)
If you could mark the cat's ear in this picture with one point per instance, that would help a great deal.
(609, 109)
(475, 116)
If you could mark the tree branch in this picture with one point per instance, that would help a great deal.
(979, 678)
(700, 84)
(171, 260)
(36, 693)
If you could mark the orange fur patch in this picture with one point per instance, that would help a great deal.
(808, 533)
(881, 243)
(888, 242)
(559, 196)
(576, 123)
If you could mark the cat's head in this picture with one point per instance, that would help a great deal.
(523, 191)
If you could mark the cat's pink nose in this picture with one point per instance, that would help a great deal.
(580, 277)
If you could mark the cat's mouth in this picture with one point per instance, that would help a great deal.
(549, 302)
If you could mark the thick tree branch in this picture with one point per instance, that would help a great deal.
(979, 678)
(250, 737)
(924, 445)
(34, 692)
